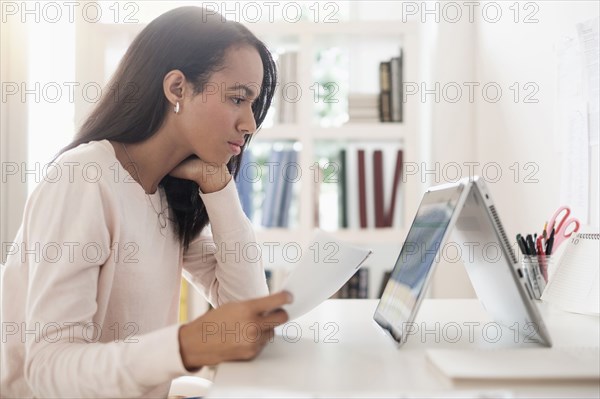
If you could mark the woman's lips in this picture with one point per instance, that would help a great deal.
(235, 148)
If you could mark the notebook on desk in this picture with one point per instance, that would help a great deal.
(565, 364)
(575, 285)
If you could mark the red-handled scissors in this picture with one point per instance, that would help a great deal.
(562, 224)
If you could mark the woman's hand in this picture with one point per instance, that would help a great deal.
(234, 331)
(210, 177)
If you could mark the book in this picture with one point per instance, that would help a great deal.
(390, 214)
(368, 148)
(385, 114)
(290, 177)
(279, 188)
(352, 197)
(269, 279)
(368, 191)
(362, 189)
(379, 203)
(278, 192)
(244, 185)
(390, 89)
(286, 91)
(318, 180)
(363, 282)
(363, 108)
(384, 281)
(183, 302)
(272, 189)
(396, 88)
(574, 285)
(343, 191)
(355, 288)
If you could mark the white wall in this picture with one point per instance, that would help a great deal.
(463, 132)
(450, 62)
(13, 140)
(504, 132)
(508, 132)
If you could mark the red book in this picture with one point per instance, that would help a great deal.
(389, 220)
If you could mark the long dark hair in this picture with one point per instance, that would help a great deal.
(195, 42)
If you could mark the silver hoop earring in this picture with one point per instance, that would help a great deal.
(176, 108)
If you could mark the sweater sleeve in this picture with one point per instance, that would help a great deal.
(227, 266)
(64, 355)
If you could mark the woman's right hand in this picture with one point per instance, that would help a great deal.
(210, 177)
(234, 331)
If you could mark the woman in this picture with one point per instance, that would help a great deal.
(94, 313)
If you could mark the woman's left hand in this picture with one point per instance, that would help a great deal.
(210, 177)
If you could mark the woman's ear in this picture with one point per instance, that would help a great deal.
(174, 85)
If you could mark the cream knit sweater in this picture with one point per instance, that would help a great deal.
(90, 290)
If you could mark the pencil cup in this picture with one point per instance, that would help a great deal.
(535, 269)
(535, 272)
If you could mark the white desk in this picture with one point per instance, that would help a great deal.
(342, 353)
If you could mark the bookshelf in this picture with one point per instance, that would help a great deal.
(378, 40)
(307, 39)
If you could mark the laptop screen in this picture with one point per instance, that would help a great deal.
(407, 281)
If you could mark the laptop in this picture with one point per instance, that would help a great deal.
(466, 211)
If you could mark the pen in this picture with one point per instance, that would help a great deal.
(549, 246)
(550, 243)
(531, 245)
(522, 244)
(542, 258)
(544, 232)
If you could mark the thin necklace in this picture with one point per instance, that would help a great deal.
(162, 219)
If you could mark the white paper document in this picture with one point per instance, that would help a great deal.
(322, 270)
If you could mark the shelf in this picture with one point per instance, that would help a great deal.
(316, 143)
(341, 28)
(300, 28)
(361, 46)
(352, 131)
(371, 236)
(357, 236)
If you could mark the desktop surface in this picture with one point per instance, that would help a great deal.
(337, 350)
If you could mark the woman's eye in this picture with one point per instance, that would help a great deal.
(237, 100)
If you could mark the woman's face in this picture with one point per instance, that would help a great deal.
(214, 123)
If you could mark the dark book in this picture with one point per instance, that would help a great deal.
(344, 291)
(378, 194)
(385, 99)
(363, 282)
(353, 286)
(385, 114)
(269, 278)
(384, 281)
(342, 193)
(389, 218)
(396, 88)
(362, 189)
